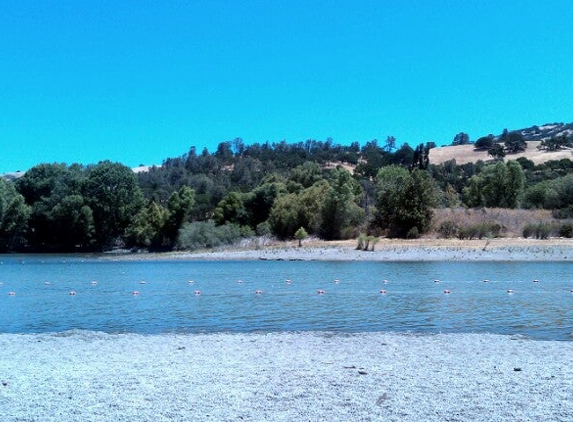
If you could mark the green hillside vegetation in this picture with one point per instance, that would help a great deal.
(290, 191)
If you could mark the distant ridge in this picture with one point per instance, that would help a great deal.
(533, 135)
(13, 175)
(546, 131)
(461, 153)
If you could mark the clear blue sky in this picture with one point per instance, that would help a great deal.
(140, 81)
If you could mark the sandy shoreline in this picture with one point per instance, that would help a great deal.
(386, 250)
(86, 376)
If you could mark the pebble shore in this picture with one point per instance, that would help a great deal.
(88, 376)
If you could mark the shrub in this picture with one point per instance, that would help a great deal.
(448, 229)
(566, 230)
(539, 230)
(528, 230)
(199, 235)
(413, 233)
(361, 242)
(300, 235)
(263, 229)
(563, 213)
(373, 241)
(480, 230)
(366, 243)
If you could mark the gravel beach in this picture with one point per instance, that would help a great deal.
(88, 376)
(503, 249)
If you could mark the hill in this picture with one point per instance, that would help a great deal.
(534, 135)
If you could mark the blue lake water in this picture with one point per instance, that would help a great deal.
(414, 302)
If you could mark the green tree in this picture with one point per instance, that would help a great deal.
(284, 217)
(306, 174)
(14, 215)
(472, 194)
(73, 222)
(498, 185)
(179, 208)
(404, 201)
(339, 209)
(461, 139)
(497, 152)
(484, 143)
(54, 193)
(259, 202)
(300, 235)
(514, 142)
(503, 184)
(421, 158)
(390, 143)
(231, 209)
(112, 192)
(147, 227)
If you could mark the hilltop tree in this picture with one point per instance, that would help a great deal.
(461, 138)
(497, 152)
(484, 143)
(390, 143)
(514, 142)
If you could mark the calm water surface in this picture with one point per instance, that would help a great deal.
(167, 302)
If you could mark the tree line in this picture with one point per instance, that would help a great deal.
(272, 189)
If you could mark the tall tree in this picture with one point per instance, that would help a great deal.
(339, 209)
(390, 143)
(112, 192)
(14, 215)
(404, 201)
(498, 185)
(178, 210)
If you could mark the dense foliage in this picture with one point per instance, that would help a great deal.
(289, 191)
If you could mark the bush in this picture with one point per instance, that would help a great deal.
(528, 230)
(540, 230)
(361, 242)
(563, 213)
(413, 233)
(480, 230)
(448, 229)
(366, 243)
(200, 235)
(566, 230)
(263, 229)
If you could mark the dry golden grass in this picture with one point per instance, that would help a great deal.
(512, 221)
(468, 154)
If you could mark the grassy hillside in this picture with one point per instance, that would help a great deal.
(468, 154)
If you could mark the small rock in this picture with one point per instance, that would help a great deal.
(381, 399)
